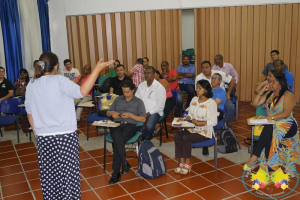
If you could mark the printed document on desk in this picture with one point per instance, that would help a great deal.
(259, 122)
(183, 124)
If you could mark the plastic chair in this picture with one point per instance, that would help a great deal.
(160, 121)
(100, 80)
(212, 141)
(134, 139)
(10, 107)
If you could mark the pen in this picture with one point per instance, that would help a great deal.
(150, 94)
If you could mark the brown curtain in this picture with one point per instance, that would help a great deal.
(245, 35)
(126, 37)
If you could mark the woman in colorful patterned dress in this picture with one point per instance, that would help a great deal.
(279, 142)
(203, 113)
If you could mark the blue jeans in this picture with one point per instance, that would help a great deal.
(190, 90)
(229, 111)
(150, 125)
(179, 104)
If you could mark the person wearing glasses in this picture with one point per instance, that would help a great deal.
(207, 74)
(153, 95)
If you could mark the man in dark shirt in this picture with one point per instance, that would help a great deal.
(115, 83)
(274, 56)
(6, 87)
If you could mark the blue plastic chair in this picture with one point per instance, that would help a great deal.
(94, 117)
(11, 109)
(132, 140)
(211, 142)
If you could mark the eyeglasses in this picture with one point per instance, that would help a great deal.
(215, 78)
(216, 60)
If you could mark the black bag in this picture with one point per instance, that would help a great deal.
(227, 142)
(104, 88)
(248, 141)
(151, 162)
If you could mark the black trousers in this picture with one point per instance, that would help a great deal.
(169, 105)
(120, 136)
(265, 139)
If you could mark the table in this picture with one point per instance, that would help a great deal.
(105, 126)
(88, 105)
(252, 131)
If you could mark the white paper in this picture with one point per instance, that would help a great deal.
(259, 121)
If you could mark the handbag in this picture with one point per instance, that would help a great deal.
(257, 129)
(20, 91)
(107, 101)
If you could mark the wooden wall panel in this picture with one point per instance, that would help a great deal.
(126, 37)
(245, 36)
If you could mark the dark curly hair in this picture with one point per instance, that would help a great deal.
(206, 85)
(284, 87)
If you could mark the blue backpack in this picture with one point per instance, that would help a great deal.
(151, 162)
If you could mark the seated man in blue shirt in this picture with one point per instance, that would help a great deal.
(280, 68)
(186, 73)
(219, 94)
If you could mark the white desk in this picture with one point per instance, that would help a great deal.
(252, 131)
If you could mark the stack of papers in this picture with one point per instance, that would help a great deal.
(259, 121)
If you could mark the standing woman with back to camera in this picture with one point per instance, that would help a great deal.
(51, 113)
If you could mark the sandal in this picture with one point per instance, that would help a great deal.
(186, 169)
(178, 169)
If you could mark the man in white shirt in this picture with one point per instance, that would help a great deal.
(207, 74)
(69, 72)
(153, 94)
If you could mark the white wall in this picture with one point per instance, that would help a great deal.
(59, 9)
(187, 26)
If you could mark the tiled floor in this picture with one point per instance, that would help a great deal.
(19, 175)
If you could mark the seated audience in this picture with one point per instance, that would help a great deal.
(281, 140)
(260, 110)
(279, 66)
(219, 94)
(137, 72)
(21, 84)
(146, 62)
(207, 74)
(227, 68)
(31, 71)
(203, 113)
(127, 110)
(172, 77)
(6, 87)
(274, 56)
(153, 95)
(86, 71)
(170, 101)
(70, 72)
(113, 73)
(186, 74)
(115, 83)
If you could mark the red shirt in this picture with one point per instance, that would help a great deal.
(173, 84)
(82, 81)
(138, 74)
(168, 90)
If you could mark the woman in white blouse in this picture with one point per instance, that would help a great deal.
(203, 113)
